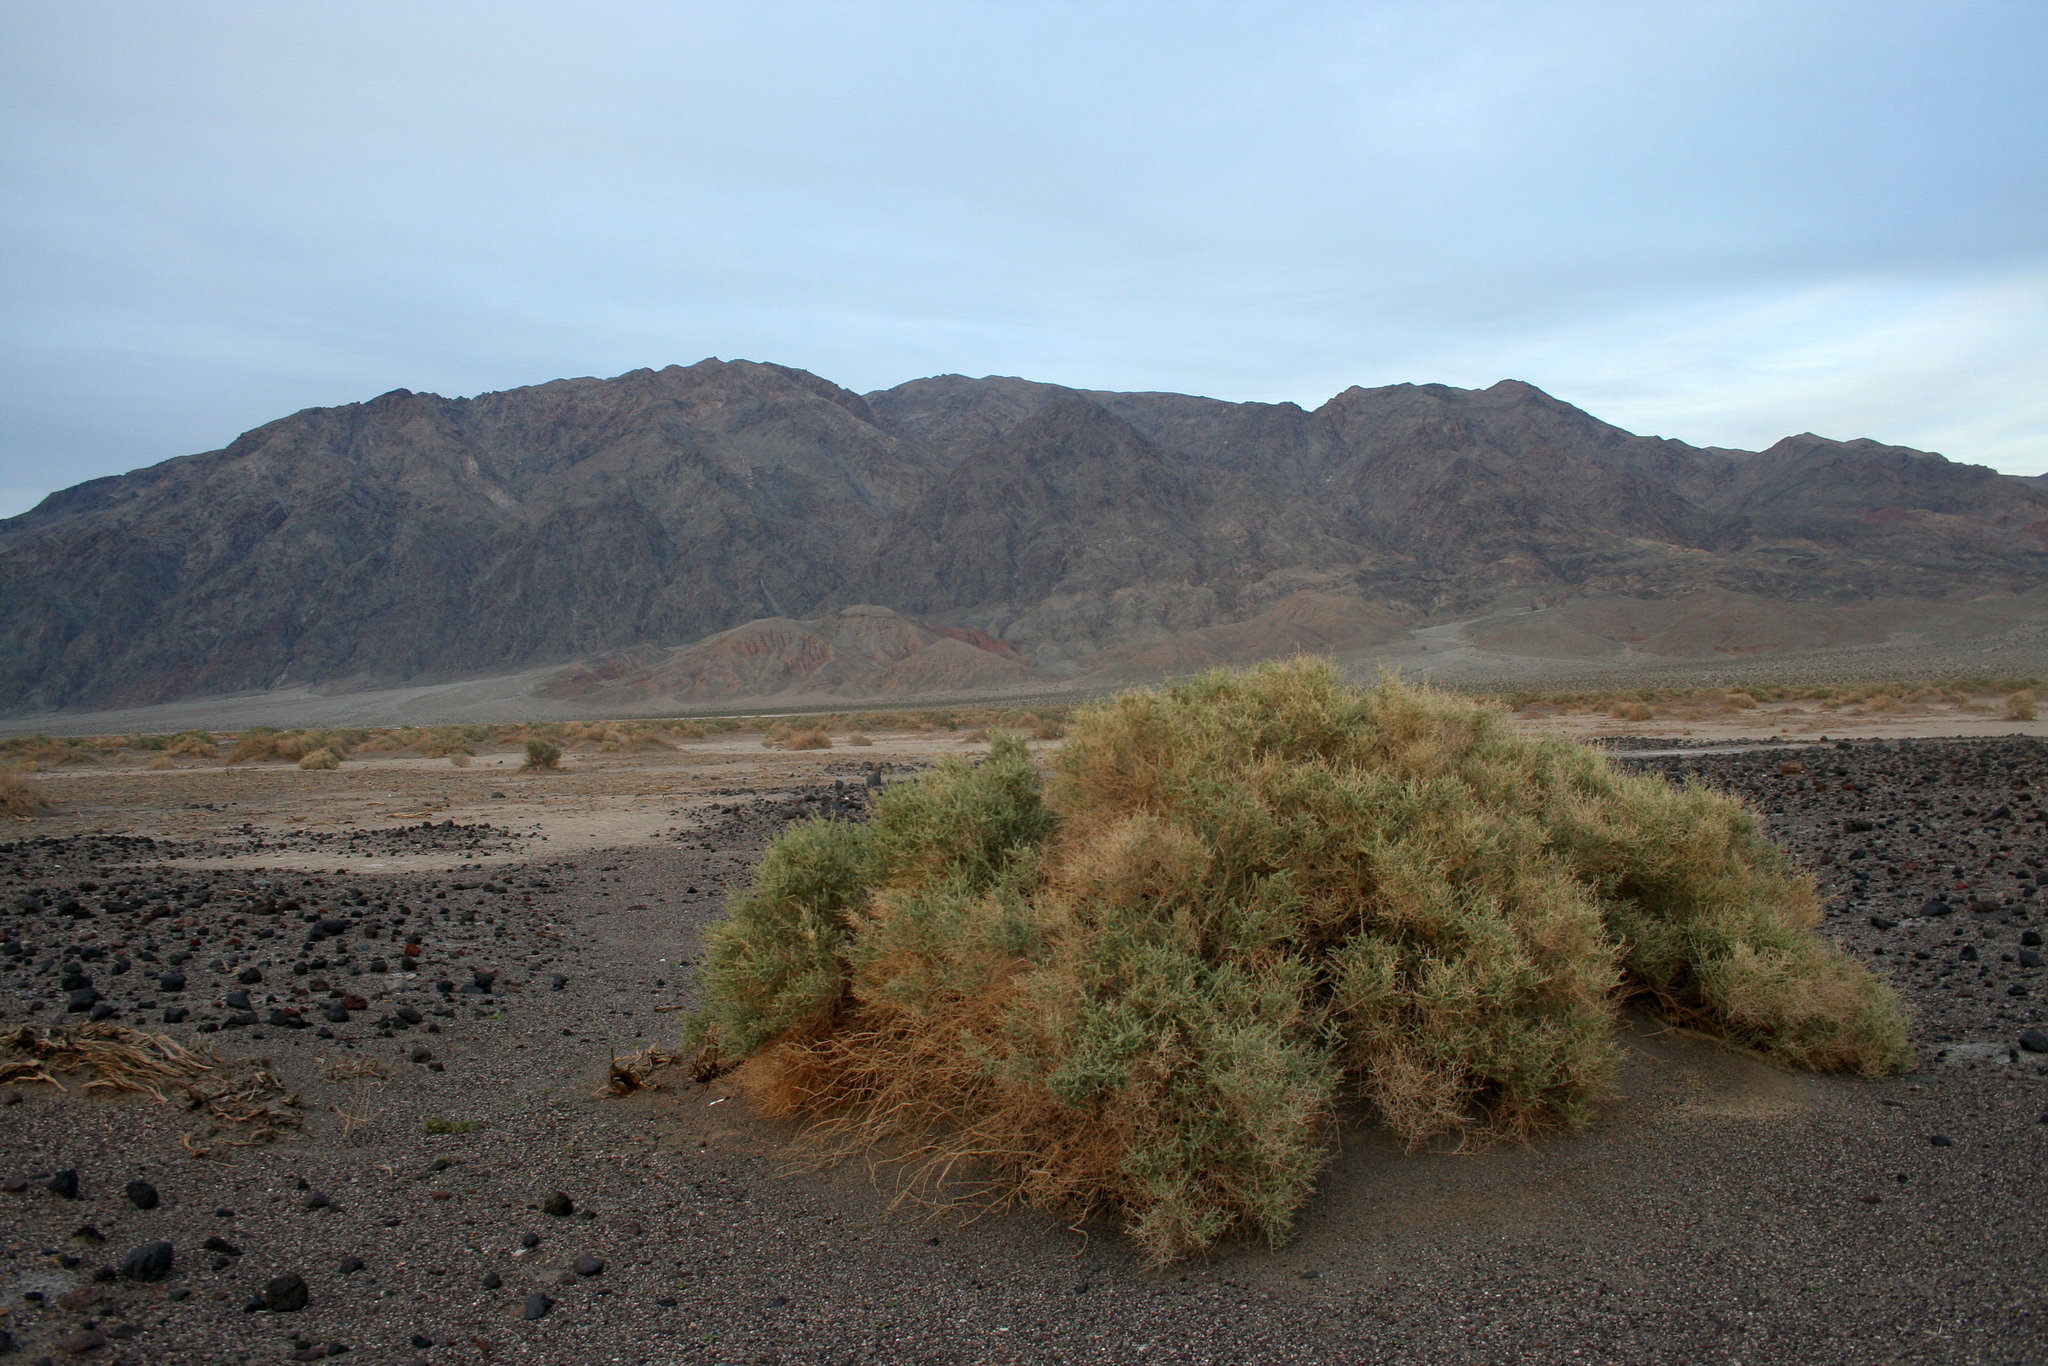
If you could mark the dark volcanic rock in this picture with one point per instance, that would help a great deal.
(150, 1262)
(285, 1294)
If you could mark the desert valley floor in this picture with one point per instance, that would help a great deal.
(440, 963)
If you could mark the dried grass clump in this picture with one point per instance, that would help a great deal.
(543, 754)
(196, 743)
(1244, 905)
(2021, 706)
(320, 758)
(808, 739)
(19, 797)
(265, 745)
(859, 739)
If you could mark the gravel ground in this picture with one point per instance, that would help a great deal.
(1720, 1210)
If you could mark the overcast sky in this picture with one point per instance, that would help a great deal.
(1719, 222)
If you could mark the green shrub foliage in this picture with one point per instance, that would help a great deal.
(1240, 907)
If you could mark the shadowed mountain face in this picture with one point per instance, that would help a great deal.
(414, 538)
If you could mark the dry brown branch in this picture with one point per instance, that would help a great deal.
(636, 1073)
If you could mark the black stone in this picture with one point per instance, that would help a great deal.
(336, 1014)
(142, 1195)
(249, 977)
(590, 1266)
(350, 1265)
(150, 1262)
(1878, 922)
(558, 1204)
(171, 981)
(64, 1184)
(176, 1015)
(80, 1001)
(1942, 1141)
(493, 1281)
(215, 1243)
(409, 1015)
(285, 1294)
(2034, 1041)
(537, 1306)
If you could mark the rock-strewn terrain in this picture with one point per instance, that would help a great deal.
(415, 538)
(1717, 1209)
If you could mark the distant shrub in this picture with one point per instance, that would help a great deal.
(320, 758)
(2020, 706)
(808, 739)
(859, 738)
(1237, 907)
(460, 758)
(196, 743)
(543, 754)
(19, 797)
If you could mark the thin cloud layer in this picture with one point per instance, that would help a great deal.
(1721, 223)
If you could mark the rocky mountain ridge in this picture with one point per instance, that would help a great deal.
(415, 537)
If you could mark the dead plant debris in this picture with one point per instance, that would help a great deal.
(243, 1096)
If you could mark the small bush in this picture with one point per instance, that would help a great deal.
(438, 1125)
(19, 797)
(196, 743)
(320, 758)
(808, 739)
(2020, 706)
(459, 758)
(859, 739)
(543, 754)
(1240, 906)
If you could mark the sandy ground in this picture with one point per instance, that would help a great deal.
(1720, 1209)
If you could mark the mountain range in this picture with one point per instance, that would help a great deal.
(737, 529)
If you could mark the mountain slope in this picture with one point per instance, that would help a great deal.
(417, 538)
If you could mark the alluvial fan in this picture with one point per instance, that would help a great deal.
(1238, 907)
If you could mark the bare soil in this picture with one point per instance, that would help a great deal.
(1718, 1209)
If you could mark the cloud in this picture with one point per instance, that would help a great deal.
(1725, 222)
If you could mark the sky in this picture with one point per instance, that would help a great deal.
(1724, 223)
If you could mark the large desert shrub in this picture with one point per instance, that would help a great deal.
(320, 758)
(542, 754)
(1241, 908)
(2021, 706)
